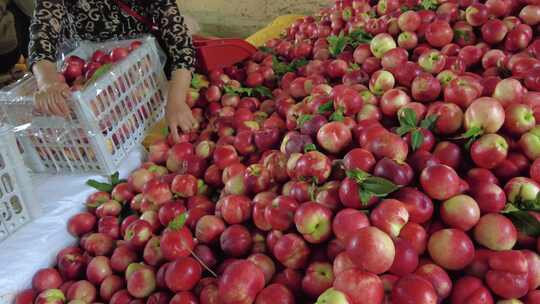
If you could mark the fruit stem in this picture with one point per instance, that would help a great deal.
(202, 263)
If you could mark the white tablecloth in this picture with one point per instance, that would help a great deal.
(36, 244)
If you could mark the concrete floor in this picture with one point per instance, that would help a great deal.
(241, 18)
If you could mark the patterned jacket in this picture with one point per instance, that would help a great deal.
(58, 21)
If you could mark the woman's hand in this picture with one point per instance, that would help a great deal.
(52, 93)
(177, 112)
(51, 99)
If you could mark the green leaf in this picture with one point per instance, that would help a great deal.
(105, 187)
(303, 119)
(202, 187)
(417, 139)
(379, 186)
(178, 222)
(298, 63)
(354, 66)
(407, 117)
(525, 205)
(279, 67)
(230, 90)
(462, 34)
(358, 175)
(403, 9)
(359, 36)
(240, 91)
(365, 196)
(327, 107)
(429, 4)
(473, 132)
(429, 122)
(266, 49)
(246, 91)
(337, 44)
(529, 205)
(509, 208)
(263, 91)
(102, 70)
(115, 179)
(525, 222)
(337, 115)
(197, 81)
(309, 148)
(404, 130)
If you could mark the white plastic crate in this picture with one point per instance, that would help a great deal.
(17, 204)
(109, 117)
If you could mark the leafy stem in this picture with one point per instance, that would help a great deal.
(407, 120)
(309, 148)
(337, 115)
(337, 44)
(261, 91)
(178, 223)
(198, 81)
(471, 135)
(303, 119)
(281, 68)
(114, 180)
(371, 186)
(326, 107)
(520, 213)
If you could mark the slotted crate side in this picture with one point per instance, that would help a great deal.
(17, 204)
(108, 118)
(127, 103)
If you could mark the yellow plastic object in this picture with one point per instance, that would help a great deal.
(159, 131)
(273, 30)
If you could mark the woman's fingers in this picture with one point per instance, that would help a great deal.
(55, 104)
(185, 126)
(192, 123)
(65, 90)
(62, 105)
(59, 95)
(47, 104)
(173, 128)
(52, 101)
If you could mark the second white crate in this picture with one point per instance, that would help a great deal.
(17, 203)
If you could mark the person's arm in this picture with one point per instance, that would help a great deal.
(178, 113)
(44, 38)
(179, 48)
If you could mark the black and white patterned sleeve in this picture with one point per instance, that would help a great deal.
(174, 34)
(45, 30)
